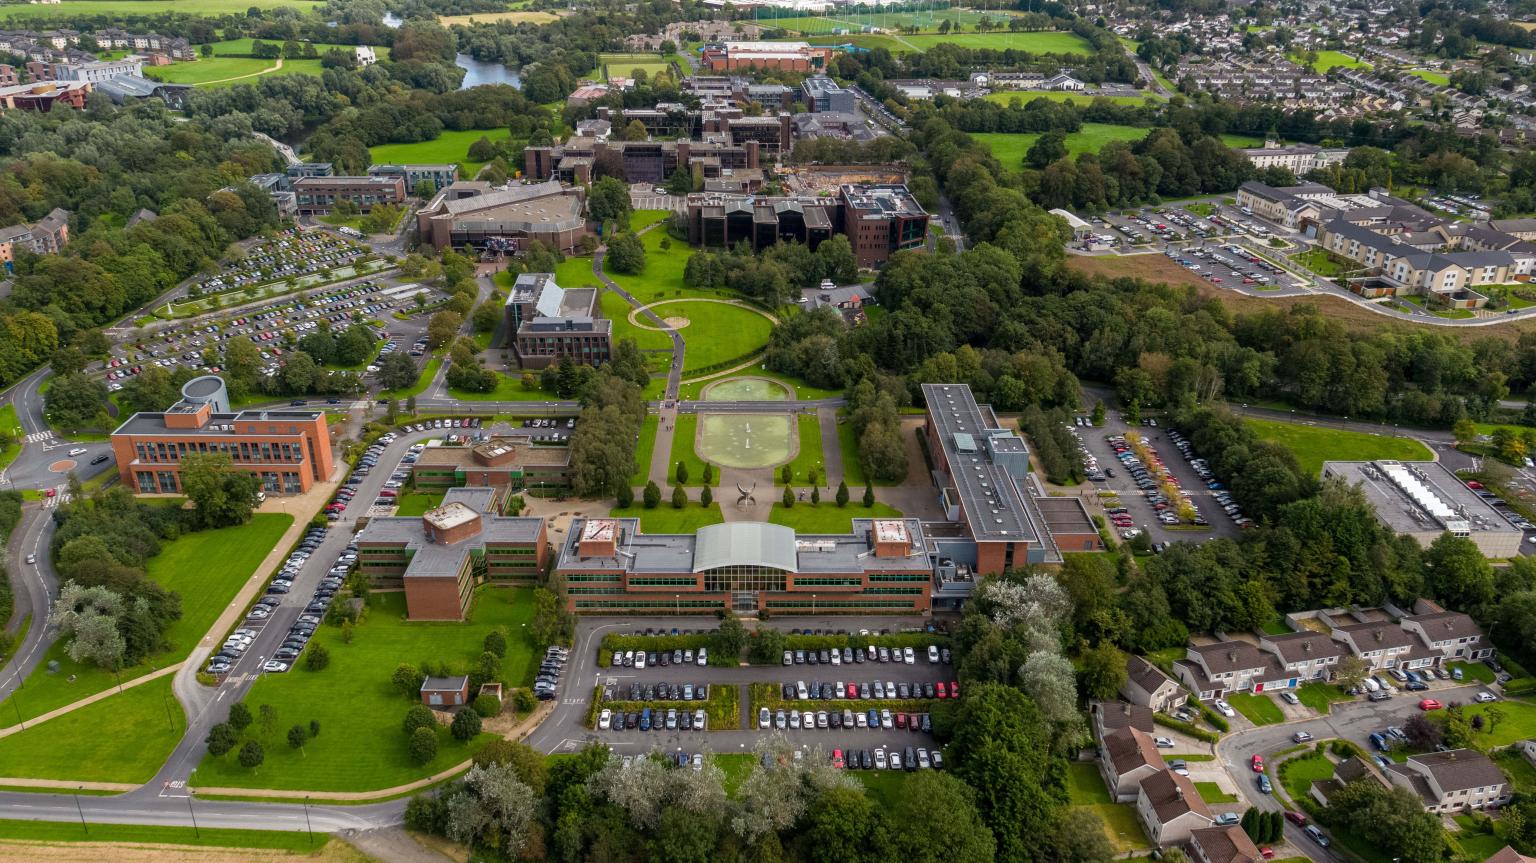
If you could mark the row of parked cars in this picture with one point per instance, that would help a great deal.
(1500, 505)
(881, 690)
(660, 692)
(793, 719)
(1202, 469)
(1150, 478)
(660, 658)
(548, 679)
(648, 719)
(867, 653)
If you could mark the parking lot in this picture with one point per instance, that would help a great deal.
(291, 254)
(1138, 504)
(1230, 265)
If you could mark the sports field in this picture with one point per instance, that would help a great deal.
(853, 23)
(624, 65)
(1038, 43)
(229, 65)
(450, 146)
(123, 8)
(1009, 147)
(1027, 96)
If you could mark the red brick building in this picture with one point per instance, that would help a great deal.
(765, 56)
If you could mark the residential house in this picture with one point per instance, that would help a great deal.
(1305, 655)
(1170, 808)
(445, 691)
(1455, 636)
(1222, 845)
(1213, 670)
(1509, 855)
(1453, 781)
(1382, 644)
(1127, 757)
(1114, 715)
(1148, 686)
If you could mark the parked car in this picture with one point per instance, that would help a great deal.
(1225, 709)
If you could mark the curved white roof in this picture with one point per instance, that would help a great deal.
(745, 543)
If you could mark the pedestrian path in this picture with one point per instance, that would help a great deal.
(84, 702)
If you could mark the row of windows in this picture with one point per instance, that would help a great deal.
(829, 604)
(663, 582)
(921, 576)
(509, 550)
(591, 591)
(896, 591)
(242, 452)
(827, 582)
(606, 579)
(620, 604)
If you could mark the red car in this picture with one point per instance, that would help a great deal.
(853, 690)
(1267, 853)
(837, 758)
(901, 720)
(1257, 764)
(1296, 818)
(954, 689)
(940, 690)
(1430, 704)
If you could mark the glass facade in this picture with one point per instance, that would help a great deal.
(688, 581)
(745, 577)
(627, 604)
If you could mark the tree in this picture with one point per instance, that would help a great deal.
(495, 642)
(89, 616)
(397, 371)
(1103, 671)
(765, 646)
(1351, 671)
(706, 497)
(1048, 149)
(486, 316)
(679, 497)
(608, 200)
(652, 496)
(419, 716)
(466, 726)
(1078, 836)
(239, 716)
(317, 658)
(408, 679)
(626, 254)
(221, 739)
(530, 766)
(789, 498)
(1465, 431)
(635, 131)
(422, 746)
(625, 494)
(1098, 412)
(935, 821)
(298, 735)
(1422, 733)
(837, 260)
(787, 474)
(842, 493)
(222, 495)
(551, 623)
(496, 809)
(869, 495)
(74, 400)
(1457, 574)
(251, 755)
(442, 328)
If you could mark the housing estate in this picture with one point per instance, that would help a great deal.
(46, 236)
(1446, 782)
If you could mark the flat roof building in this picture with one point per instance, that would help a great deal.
(781, 56)
(439, 558)
(317, 196)
(881, 566)
(509, 462)
(549, 322)
(1424, 500)
(504, 220)
(289, 450)
(879, 220)
(440, 176)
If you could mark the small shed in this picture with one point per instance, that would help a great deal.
(445, 691)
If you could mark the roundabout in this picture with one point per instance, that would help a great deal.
(63, 465)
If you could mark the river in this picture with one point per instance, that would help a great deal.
(477, 72)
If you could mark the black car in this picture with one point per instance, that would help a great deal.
(99, 459)
(276, 588)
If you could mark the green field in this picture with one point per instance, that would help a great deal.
(827, 517)
(1235, 140)
(418, 502)
(1009, 148)
(683, 438)
(68, 831)
(1027, 96)
(122, 8)
(665, 519)
(847, 441)
(1298, 774)
(1328, 59)
(1321, 696)
(1038, 43)
(1314, 445)
(360, 746)
(1432, 77)
(209, 69)
(644, 450)
(124, 737)
(1085, 786)
(11, 426)
(717, 332)
(181, 566)
(624, 65)
(450, 146)
(809, 456)
(854, 22)
(509, 388)
(1260, 709)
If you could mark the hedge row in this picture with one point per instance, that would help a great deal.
(1167, 721)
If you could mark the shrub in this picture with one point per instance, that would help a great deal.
(419, 716)
(423, 746)
(408, 679)
(487, 705)
(317, 658)
(251, 755)
(221, 739)
(466, 724)
(523, 701)
(496, 643)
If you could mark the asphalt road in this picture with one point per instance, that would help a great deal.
(35, 586)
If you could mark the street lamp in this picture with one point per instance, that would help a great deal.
(83, 825)
(307, 825)
(190, 794)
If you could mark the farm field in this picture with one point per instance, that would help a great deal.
(1039, 43)
(450, 146)
(1027, 96)
(1314, 445)
(1010, 147)
(360, 746)
(70, 8)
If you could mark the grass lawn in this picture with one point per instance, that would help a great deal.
(1009, 148)
(520, 17)
(848, 442)
(1047, 42)
(665, 519)
(1275, 627)
(66, 831)
(10, 425)
(1025, 97)
(690, 391)
(883, 786)
(1085, 786)
(1520, 771)
(682, 451)
(1474, 671)
(77, 8)
(1313, 445)
(644, 449)
(1474, 843)
(1210, 792)
(736, 767)
(209, 69)
(1298, 774)
(810, 455)
(181, 566)
(418, 502)
(1321, 696)
(1439, 78)
(508, 389)
(1260, 709)
(828, 517)
(428, 372)
(1328, 59)
(1517, 722)
(450, 146)
(1232, 140)
(624, 66)
(1122, 826)
(717, 332)
(617, 309)
(360, 746)
(124, 737)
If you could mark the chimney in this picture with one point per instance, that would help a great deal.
(1380, 635)
(1232, 656)
(1306, 647)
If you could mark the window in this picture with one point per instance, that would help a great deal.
(663, 582)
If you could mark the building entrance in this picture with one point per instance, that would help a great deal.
(744, 602)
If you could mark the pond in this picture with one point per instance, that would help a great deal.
(746, 390)
(477, 72)
(746, 440)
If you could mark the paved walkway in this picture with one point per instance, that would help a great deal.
(84, 702)
(831, 451)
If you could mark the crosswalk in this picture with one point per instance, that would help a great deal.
(59, 499)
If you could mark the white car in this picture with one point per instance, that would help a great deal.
(79, 450)
(885, 720)
(639, 659)
(275, 667)
(1225, 708)
(933, 654)
(908, 656)
(1163, 742)
(605, 719)
(764, 721)
(1486, 697)
(703, 656)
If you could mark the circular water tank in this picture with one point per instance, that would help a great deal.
(209, 390)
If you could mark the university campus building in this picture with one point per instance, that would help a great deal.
(879, 220)
(439, 558)
(473, 214)
(609, 566)
(549, 322)
(290, 450)
(502, 462)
